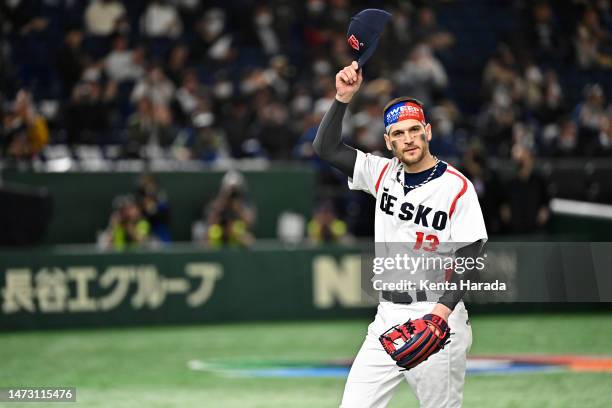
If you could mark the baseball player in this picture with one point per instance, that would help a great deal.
(419, 200)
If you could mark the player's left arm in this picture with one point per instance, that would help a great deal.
(469, 232)
(447, 302)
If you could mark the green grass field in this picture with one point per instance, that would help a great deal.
(147, 367)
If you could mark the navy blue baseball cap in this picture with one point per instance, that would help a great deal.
(364, 32)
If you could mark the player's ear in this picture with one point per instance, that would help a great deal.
(428, 132)
(388, 142)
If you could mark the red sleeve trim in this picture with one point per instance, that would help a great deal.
(382, 173)
(458, 196)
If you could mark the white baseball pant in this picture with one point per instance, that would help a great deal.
(437, 382)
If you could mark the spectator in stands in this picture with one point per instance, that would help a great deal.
(127, 227)
(212, 43)
(501, 71)
(553, 106)
(502, 85)
(523, 133)
(93, 71)
(156, 87)
(19, 18)
(153, 203)
(229, 217)
(301, 103)
(189, 11)
(566, 143)
(25, 131)
(279, 73)
(322, 85)
(603, 145)
(495, 123)
(177, 63)
(263, 20)
(592, 42)
(223, 88)
(422, 75)
(402, 22)
(88, 114)
(124, 64)
(254, 80)
(426, 31)
(188, 97)
(272, 130)
(380, 89)
(339, 12)
(102, 17)
(340, 55)
(446, 119)
(150, 126)
(369, 129)
(543, 33)
(303, 148)
(604, 10)
(208, 142)
(590, 112)
(531, 89)
(161, 19)
(525, 208)
(487, 185)
(236, 125)
(326, 227)
(71, 60)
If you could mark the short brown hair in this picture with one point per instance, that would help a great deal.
(403, 99)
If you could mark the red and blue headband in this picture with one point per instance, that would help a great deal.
(403, 111)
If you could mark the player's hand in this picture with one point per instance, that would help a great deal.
(442, 311)
(348, 81)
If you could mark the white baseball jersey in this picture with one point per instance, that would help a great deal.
(443, 210)
(446, 209)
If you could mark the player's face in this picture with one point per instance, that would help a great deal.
(409, 140)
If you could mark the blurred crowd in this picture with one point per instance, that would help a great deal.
(188, 79)
(210, 81)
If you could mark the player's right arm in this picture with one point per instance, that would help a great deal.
(364, 171)
(328, 142)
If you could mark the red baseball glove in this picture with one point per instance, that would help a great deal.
(411, 343)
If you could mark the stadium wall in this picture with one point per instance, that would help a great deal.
(73, 286)
(82, 200)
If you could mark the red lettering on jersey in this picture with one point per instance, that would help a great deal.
(431, 239)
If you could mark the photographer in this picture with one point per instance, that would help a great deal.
(127, 227)
(229, 216)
